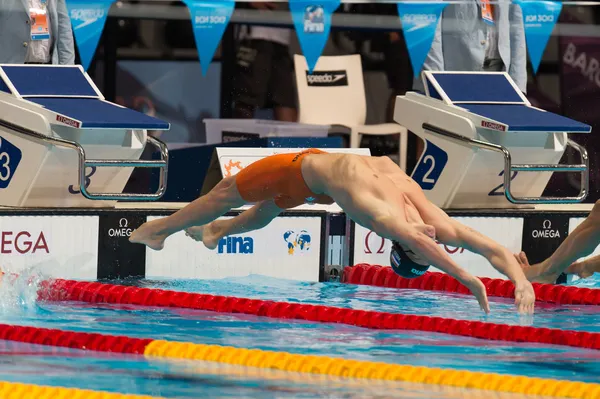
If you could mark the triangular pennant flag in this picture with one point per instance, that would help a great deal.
(88, 19)
(419, 22)
(312, 22)
(539, 18)
(209, 20)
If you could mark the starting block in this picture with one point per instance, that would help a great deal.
(463, 118)
(52, 118)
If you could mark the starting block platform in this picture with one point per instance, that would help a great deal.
(462, 117)
(63, 145)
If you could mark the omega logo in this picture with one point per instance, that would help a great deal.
(546, 231)
(23, 242)
(122, 231)
(368, 250)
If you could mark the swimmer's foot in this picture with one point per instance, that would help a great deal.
(149, 234)
(207, 234)
(535, 273)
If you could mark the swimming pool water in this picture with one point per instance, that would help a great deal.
(465, 307)
(131, 374)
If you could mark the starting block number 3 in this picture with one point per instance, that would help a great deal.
(10, 157)
(430, 167)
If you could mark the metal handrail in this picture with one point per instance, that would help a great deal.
(83, 164)
(509, 168)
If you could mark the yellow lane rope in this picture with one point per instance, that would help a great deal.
(372, 370)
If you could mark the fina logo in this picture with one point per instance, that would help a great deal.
(297, 241)
(314, 19)
(236, 245)
(122, 231)
(546, 231)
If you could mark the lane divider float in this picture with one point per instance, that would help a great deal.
(384, 276)
(291, 362)
(94, 292)
(16, 390)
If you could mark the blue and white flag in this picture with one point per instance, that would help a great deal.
(209, 20)
(539, 18)
(312, 22)
(419, 22)
(88, 19)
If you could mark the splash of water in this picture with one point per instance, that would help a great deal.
(19, 290)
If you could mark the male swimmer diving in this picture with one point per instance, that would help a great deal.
(580, 243)
(373, 191)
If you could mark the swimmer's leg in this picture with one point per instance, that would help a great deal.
(254, 218)
(581, 242)
(222, 198)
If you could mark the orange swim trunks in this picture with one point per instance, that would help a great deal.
(278, 177)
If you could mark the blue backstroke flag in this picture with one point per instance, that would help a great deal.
(419, 22)
(88, 18)
(313, 23)
(539, 18)
(209, 20)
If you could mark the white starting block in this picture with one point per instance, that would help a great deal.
(52, 118)
(466, 116)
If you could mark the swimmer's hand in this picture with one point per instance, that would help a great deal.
(478, 289)
(524, 297)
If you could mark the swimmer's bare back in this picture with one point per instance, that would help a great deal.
(353, 179)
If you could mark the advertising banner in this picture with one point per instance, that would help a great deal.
(419, 23)
(581, 77)
(88, 19)
(288, 248)
(209, 20)
(50, 246)
(313, 23)
(539, 18)
(372, 249)
(119, 258)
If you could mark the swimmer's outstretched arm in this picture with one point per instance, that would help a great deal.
(420, 240)
(499, 257)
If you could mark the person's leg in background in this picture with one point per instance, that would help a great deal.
(253, 66)
(282, 84)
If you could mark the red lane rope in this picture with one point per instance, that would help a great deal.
(382, 276)
(71, 339)
(93, 292)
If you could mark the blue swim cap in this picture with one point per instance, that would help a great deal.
(405, 262)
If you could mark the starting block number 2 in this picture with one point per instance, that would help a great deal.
(10, 157)
(430, 167)
(496, 191)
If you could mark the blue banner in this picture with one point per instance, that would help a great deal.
(88, 19)
(209, 20)
(313, 23)
(539, 18)
(419, 22)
